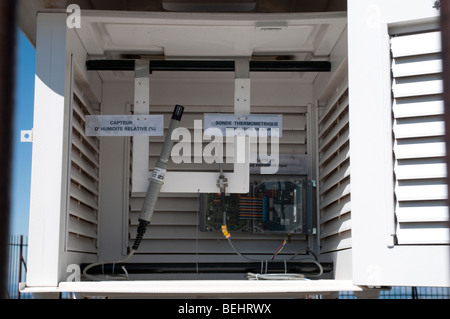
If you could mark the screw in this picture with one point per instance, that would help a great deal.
(437, 5)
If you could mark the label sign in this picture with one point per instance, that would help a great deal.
(287, 164)
(124, 125)
(227, 122)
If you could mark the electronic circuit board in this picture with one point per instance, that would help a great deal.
(271, 206)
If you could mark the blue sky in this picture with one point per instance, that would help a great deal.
(21, 164)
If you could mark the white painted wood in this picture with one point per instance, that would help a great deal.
(114, 176)
(357, 210)
(201, 288)
(334, 172)
(376, 259)
(431, 105)
(141, 104)
(416, 44)
(195, 35)
(416, 65)
(50, 144)
(419, 180)
(429, 147)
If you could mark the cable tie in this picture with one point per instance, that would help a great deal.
(225, 231)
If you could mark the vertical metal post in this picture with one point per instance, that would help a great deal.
(20, 266)
(7, 57)
(445, 35)
(242, 86)
(141, 107)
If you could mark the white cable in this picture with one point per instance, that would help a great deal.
(285, 276)
(103, 263)
(267, 261)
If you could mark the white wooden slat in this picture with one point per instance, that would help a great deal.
(423, 213)
(338, 176)
(79, 210)
(424, 170)
(405, 108)
(340, 142)
(79, 98)
(86, 166)
(168, 204)
(336, 226)
(423, 233)
(343, 122)
(327, 122)
(77, 109)
(81, 244)
(427, 86)
(289, 136)
(83, 196)
(331, 120)
(168, 218)
(86, 139)
(336, 242)
(335, 210)
(84, 180)
(416, 44)
(86, 151)
(227, 166)
(421, 192)
(81, 227)
(215, 247)
(417, 65)
(188, 232)
(339, 158)
(419, 128)
(335, 194)
(155, 150)
(419, 148)
(340, 93)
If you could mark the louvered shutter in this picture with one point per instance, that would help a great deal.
(334, 174)
(418, 134)
(84, 180)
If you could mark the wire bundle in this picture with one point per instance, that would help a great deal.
(279, 249)
(250, 207)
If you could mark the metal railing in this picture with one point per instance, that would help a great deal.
(408, 293)
(17, 266)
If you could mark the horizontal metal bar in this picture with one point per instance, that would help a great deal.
(217, 66)
(160, 268)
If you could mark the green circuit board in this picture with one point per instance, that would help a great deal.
(276, 206)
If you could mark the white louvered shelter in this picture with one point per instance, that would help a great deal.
(368, 132)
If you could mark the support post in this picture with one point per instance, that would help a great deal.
(242, 86)
(141, 151)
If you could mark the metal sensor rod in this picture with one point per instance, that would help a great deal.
(157, 178)
(218, 66)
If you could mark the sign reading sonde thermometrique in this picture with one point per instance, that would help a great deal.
(229, 122)
(125, 125)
